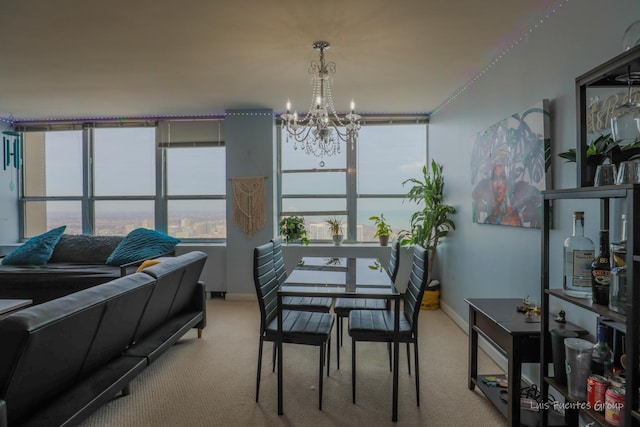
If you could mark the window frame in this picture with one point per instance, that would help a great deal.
(88, 199)
(351, 169)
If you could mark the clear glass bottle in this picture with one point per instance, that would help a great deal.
(601, 355)
(601, 272)
(578, 254)
(618, 283)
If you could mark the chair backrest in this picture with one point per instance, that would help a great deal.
(266, 283)
(416, 286)
(278, 259)
(394, 260)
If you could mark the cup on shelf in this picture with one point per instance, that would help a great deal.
(578, 366)
(605, 175)
(628, 173)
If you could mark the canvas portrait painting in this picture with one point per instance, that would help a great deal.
(510, 169)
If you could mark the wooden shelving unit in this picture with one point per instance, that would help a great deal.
(628, 324)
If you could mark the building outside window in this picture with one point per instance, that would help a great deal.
(355, 184)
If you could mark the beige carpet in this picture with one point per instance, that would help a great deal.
(211, 381)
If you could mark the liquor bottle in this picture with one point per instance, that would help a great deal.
(618, 283)
(578, 255)
(601, 355)
(601, 272)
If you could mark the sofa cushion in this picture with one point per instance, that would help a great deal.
(37, 250)
(141, 244)
(84, 249)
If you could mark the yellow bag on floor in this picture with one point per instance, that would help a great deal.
(430, 300)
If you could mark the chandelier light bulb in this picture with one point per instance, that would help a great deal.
(288, 106)
(352, 106)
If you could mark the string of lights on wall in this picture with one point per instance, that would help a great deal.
(544, 18)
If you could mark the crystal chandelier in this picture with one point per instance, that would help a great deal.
(321, 130)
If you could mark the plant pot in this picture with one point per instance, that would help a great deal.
(384, 240)
(337, 239)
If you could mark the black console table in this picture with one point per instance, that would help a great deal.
(517, 337)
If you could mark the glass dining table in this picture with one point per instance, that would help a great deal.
(340, 278)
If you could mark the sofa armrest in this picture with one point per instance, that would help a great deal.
(123, 267)
(3, 414)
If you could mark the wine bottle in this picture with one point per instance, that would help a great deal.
(618, 283)
(601, 355)
(601, 272)
(578, 255)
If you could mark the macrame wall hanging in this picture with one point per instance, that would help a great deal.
(249, 210)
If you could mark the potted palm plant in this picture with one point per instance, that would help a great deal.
(383, 231)
(292, 228)
(433, 221)
(335, 227)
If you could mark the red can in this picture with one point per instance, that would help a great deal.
(614, 406)
(596, 392)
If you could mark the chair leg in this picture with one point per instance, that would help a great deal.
(259, 368)
(273, 358)
(320, 375)
(338, 338)
(390, 359)
(353, 370)
(415, 353)
(327, 346)
(408, 358)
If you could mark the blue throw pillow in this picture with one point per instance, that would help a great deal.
(141, 244)
(37, 250)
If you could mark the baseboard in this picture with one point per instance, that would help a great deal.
(240, 297)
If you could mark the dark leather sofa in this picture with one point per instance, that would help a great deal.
(62, 359)
(77, 262)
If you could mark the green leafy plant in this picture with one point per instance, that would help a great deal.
(382, 228)
(335, 225)
(602, 148)
(293, 228)
(433, 221)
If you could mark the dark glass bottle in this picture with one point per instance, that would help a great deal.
(618, 284)
(601, 355)
(601, 272)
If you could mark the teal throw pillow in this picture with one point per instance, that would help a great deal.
(141, 244)
(37, 250)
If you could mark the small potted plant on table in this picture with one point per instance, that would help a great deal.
(335, 227)
(292, 228)
(382, 229)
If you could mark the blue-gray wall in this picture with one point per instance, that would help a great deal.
(497, 261)
(249, 141)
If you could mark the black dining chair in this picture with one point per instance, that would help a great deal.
(378, 325)
(343, 306)
(296, 303)
(298, 327)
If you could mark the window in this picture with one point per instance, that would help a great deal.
(196, 184)
(355, 184)
(109, 181)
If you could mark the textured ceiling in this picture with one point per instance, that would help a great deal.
(132, 58)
